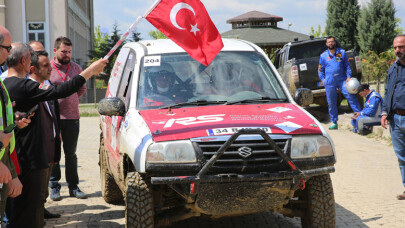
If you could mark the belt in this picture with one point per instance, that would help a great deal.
(399, 112)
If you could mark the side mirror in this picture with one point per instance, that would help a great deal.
(303, 97)
(111, 106)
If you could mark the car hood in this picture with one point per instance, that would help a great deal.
(203, 121)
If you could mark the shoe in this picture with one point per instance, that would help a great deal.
(55, 194)
(401, 197)
(49, 215)
(333, 126)
(77, 193)
(354, 130)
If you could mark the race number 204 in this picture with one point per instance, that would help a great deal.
(233, 130)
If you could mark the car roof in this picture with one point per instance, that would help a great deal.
(162, 46)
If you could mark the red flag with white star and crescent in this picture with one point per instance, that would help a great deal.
(188, 24)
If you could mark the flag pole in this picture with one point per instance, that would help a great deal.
(130, 29)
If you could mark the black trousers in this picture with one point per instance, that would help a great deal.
(27, 210)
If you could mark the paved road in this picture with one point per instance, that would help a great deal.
(366, 181)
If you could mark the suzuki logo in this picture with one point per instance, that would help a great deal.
(245, 151)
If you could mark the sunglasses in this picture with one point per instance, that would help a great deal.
(8, 48)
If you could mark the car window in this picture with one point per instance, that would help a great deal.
(126, 79)
(230, 77)
(307, 50)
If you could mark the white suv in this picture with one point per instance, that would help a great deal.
(180, 139)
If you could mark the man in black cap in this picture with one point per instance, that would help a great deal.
(371, 112)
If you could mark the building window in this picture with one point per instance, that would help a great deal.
(36, 31)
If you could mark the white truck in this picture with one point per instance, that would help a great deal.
(180, 139)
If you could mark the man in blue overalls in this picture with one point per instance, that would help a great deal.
(371, 112)
(334, 70)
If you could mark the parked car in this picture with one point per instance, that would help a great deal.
(221, 140)
(297, 62)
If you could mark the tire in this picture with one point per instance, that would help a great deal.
(320, 203)
(109, 189)
(139, 211)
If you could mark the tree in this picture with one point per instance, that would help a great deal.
(135, 36)
(376, 26)
(102, 45)
(341, 22)
(156, 34)
(375, 66)
(318, 32)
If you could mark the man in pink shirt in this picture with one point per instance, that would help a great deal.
(63, 69)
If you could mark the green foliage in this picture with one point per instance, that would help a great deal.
(102, 45)
(318, 32)
(135, 36)
(399, 30)
(376, 26)
(375, 66)
(341, 22)
(156, 34)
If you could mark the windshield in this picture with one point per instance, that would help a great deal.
(308, 49)
(179, 80)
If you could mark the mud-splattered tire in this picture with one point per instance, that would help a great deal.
(109, 189)
(320, 210)
(138, 202)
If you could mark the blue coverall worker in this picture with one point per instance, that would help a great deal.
(371, 112)
(334, 70)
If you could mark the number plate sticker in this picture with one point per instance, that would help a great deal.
(151, 60)
(233, 130)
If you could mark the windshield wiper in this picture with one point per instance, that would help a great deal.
(259, 99)
(193, 103)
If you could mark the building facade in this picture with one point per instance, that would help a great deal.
(45, 20)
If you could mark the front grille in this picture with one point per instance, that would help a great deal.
(263, 157)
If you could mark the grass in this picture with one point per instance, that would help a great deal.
(88, 110)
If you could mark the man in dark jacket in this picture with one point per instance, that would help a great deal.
(393, 109)
(27, 209)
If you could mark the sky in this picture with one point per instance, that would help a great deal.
(301, 14)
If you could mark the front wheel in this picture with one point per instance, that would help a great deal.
(139, 211)
(109, 189)
(320, 203)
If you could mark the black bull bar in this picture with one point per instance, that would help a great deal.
(262, 176)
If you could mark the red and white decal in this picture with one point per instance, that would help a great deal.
(288, 126)
(203, 121)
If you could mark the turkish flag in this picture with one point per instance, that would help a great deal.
(188, 24)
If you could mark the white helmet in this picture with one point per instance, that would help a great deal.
(352, 85)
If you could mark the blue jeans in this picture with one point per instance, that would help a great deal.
(69, 130)
(397, 124)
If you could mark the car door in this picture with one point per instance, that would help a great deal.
(118, 86)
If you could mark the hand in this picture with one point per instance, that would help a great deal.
(355, 115)
(5, 138)
(95, 68)
(22, 121)
(323, 82)
(384, 121)
(14, 188)
(348, 79)
(5, 175)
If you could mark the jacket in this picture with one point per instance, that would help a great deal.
(27, 93)
(372, 107)
(389, 89)
(334, 67)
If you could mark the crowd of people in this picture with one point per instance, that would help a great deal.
(334, 71)
(38, 114)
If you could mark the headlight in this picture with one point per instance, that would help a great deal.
(171, 152)
(310, 147)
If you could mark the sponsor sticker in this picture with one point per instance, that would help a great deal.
(288, 126)
(233, 130)
(279, 109)
(303, 67)
(151, 60)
